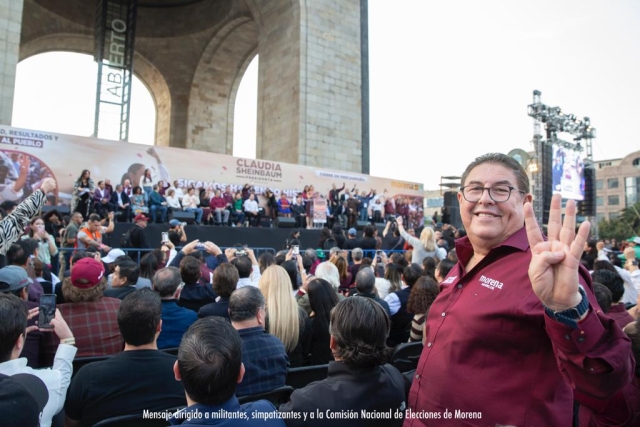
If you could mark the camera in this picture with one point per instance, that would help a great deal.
(200, 247)
(392, 219)
(240, 252)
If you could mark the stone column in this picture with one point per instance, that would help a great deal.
(10, 28)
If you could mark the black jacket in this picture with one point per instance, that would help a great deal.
(380, 390)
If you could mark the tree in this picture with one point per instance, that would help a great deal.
(621, 228)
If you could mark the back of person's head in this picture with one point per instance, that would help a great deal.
(174, 237)
(306, 263)
(265, 260)
(357, 254)
(225, 279)
(129, 270)
(611, 280)
(282, 308)
(166, 281)
(292, 270)
(148, 265)
(82, 254)
(453, 256)
(365, 281)
(428, 239)
(139, 317)
(429, 265)
(397, 258)
(393, 273)
(244, 304)
(322, 298)
(190, 270)
(368, 231)
(311, 254)
(412, 273)
(336, 229)
(603, 296)
(444, 267)
(329, 272)
(359, 329)
(343, 267)
(13, 313)
(243, 265)
(603, 265)
(210, 361)
(422, 295)
(18, 253)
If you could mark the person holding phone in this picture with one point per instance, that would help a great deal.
(47, 248)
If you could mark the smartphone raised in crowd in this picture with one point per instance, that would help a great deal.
(165, 237)
(47, 310)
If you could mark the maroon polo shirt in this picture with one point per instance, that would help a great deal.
(618, 313)
(492, 352)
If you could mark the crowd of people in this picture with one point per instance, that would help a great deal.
(231, 206)
(518, 329)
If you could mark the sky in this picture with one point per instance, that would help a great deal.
(449, 81)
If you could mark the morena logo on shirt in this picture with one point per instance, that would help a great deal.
(489, 283)
(449, 280)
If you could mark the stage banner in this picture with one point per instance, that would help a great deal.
(29, 156)
(319, 210)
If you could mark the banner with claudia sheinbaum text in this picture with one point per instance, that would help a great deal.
(29, 156)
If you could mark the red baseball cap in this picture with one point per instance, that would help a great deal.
(89, 271)
(140, 217)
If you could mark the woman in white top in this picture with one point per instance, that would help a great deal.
(46, 242)
(146, 183)
(424, 246)
(172, 201)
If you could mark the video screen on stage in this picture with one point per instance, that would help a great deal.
(568, 173)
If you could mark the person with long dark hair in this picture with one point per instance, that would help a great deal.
(322, 299)
(83, 188)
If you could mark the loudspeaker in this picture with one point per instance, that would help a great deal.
(451, 199)
(454, 217)
(188, 217)
(587, 207)
(284, 222)
(362, 224)
(62, 209)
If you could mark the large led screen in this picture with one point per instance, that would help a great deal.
(568, 176)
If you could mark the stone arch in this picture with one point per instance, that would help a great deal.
(143, 69)
(215, 85)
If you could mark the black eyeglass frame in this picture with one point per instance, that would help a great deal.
(511, 188)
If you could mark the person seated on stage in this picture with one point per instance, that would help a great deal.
(210, 368)
(191, 203)
(139, 378)
(121, 203)
(218, 206)
(157, 203)
(263, 355)
(299, 212)
(237, 214)
(173, 202)
(284, 207)
(102, 200)
(358, 380)
(177, 187)
(138, 203)
(252, 210)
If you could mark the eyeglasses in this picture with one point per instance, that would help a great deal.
(499, 193)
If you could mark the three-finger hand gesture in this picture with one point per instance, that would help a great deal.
(554, 263)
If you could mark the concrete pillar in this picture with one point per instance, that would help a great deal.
(10, 28)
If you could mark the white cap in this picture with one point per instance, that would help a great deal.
(112, 255)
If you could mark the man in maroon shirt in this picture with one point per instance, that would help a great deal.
(515, 333)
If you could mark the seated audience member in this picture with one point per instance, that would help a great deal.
(124, 279)
(614, 283)
(443, 269)
(623, 408)
(400, 316)
(194, 295)
(157, 204)
(173, 202)
(121, 203)
(247, 266)
(210, 367)
(24, 396)
(263, 355)
(86, 306)
(327, 271)
(392, 280)
(148, 267)
(366, 287)
(175, 319)
(343, 270)
(358, 380)
(322, 298)
(19, 255)
(422, 295)
(603, 296)
(286, 320)
(265, 260)
(138, 379)
(225, 280)
(14, 317)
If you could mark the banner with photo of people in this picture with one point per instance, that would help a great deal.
(27, 157)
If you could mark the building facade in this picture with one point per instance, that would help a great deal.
(617, 185)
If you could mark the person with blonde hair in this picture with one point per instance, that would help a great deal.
(343, 271)
(423, 247)
(285, 319)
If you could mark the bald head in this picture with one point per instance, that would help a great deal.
(365, 281)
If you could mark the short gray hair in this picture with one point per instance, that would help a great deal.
(329, 272)
(166, 281)
(506, 161)
(357, 254)
(365, 281)
(244, 303)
